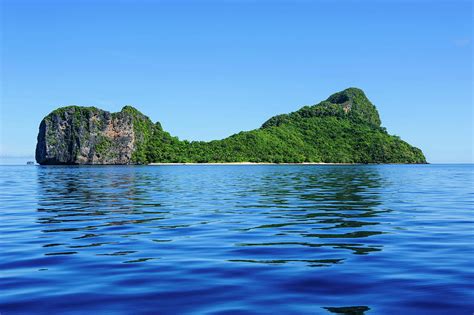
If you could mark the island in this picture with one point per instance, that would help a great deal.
(345, 128)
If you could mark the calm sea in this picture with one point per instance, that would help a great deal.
(388, 239)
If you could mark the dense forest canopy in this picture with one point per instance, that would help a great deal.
(345, 128)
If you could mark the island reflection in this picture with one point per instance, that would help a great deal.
(272, 215)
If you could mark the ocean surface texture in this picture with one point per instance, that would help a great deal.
(265, 239)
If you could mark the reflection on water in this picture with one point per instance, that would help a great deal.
(273, 212)
(236, 239)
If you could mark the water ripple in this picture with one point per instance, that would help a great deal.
(237, 239)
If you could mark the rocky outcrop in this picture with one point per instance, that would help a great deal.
(88, 135)
(344, 128)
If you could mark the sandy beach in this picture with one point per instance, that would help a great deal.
(252, 163)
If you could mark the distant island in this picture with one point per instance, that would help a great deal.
(345, 128)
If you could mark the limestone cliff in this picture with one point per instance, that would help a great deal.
(88, 135)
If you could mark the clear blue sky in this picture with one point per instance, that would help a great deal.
(207, 69)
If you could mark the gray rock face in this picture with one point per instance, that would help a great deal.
(87, 135)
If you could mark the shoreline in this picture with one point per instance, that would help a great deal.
(251, 163)
(227, 163)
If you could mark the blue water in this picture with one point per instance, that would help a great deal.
(388, 239)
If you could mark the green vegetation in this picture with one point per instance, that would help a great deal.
(144, 130)
(78, 111)
(103, 145)
(345, 128)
